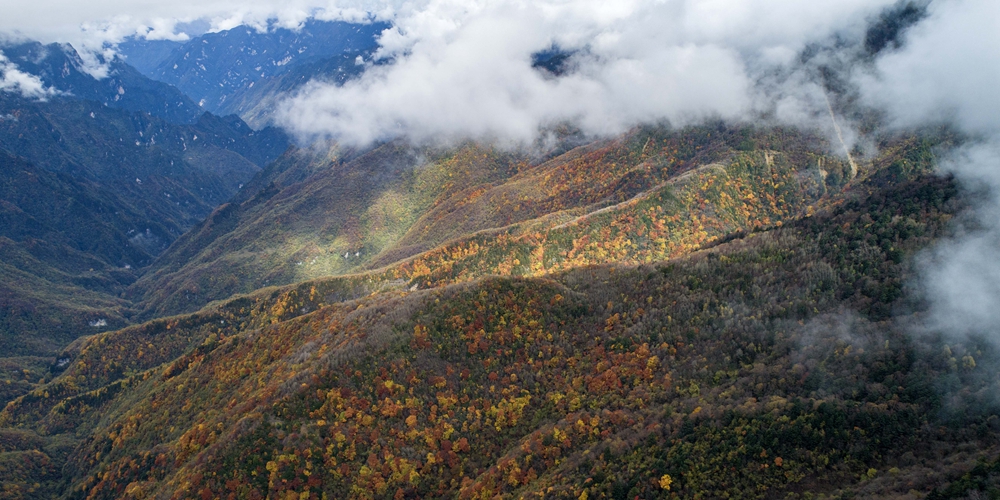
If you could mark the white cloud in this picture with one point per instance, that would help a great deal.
(948, 72)
(961, 275)
(107, 21)
(463, 68)
(647, 59)
(94, 27)
(949, 69)
(16, 81)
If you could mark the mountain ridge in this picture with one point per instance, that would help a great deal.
(212, 68)
(504, 189)
(93, 190)
(304, 344)
(60, 67)
(719, 309)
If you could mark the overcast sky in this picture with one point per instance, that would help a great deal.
(62, 20)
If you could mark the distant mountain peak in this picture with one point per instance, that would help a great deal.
(214, 68)
(58, 69)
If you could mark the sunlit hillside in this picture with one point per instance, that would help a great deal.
(471, 211)
(559, 249)
(748, 370)
(716, 354)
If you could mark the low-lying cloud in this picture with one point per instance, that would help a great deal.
(459, 69)
(961, 275)
(947, 72)
(16, 81)
(93, 26)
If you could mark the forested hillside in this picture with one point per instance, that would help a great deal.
(96, 179)
(750, 341)
(430, 217)
(556, 249)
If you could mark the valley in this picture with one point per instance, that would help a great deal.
(204, 296)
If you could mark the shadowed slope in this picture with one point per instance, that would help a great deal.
(314, 215)
(770, 365)
(94, 183)
(420, 212)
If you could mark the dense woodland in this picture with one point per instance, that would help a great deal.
(648, 195)
(739, 320)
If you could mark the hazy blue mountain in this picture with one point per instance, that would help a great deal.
(66, 249)
(145, 55)
(59, 66)
(256, 103)
(212, 67)
(554, 60)
(94, 183)
(175, 173)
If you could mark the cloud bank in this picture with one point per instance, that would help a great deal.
(463, 69)
(947, 71)
(16, 81)
(961, 275)
(92, 25)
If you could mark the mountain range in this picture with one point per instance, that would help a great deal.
(95, 189)
(242, 70)
(60, 67)
(194, 305)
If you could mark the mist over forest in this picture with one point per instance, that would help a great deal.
(500, 249)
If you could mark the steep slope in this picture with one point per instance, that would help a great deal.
(90, 192)
(775, 364)
(60, 240)
(257, 102)
(60, 67)
(481, 210)
(175, 174)
(61, 211)
(602, 175)
(211, 68)
(316, 214)
(146, 55)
